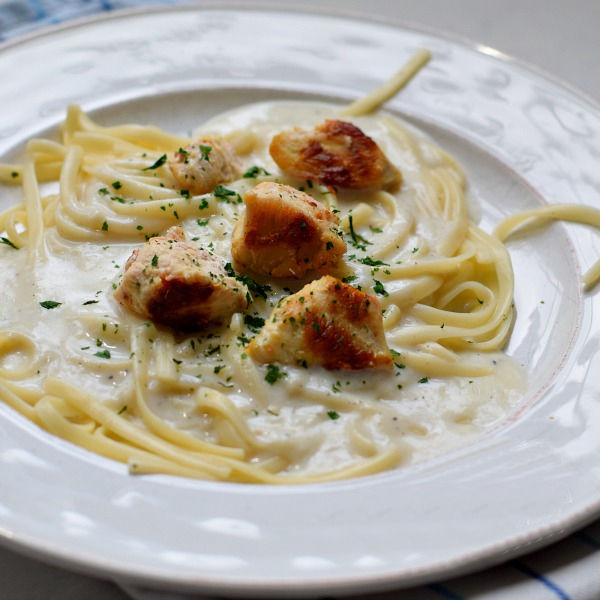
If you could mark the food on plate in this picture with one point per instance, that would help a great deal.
(176, 283)
(204, 164)
(335, 153)
(142, 321)
(286, 233)
(329, 323)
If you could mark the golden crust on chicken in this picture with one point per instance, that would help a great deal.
(335, 153)
(205, 164)
(328, 323)
(285, 233)
(176, 283)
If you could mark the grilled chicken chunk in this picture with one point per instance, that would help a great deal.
(335, 153)
(285, 233)
(175, 283)
(205, 164)
(329, 323)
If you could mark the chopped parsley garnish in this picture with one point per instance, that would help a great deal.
(6, 241)
(140, 227)
(273, 374)
(105, 226)
(257, 289)
(379, 289)
(218, 368)
(122, 409)
(50, 304)
(177, 361)
(103, 354)
(14, 174)
(243, 340)
(104, 191)
(349, 278)
(202, 222)
(367, 260)
(358, 241)
(424, 380)
(395, 354)
(159, 163)
(203, 204)
(375, 229)
(333, 415)
(254, 172)
(117, 185)
(155, 261)
(225, 194)
(254, 322)
(205, 151)
(90, 302)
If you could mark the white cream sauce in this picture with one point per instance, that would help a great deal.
(427, 417)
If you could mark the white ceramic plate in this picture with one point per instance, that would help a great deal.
(523, 140)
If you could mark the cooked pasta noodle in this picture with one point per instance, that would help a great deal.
(76, 363)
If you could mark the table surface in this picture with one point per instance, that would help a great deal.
(559, 37)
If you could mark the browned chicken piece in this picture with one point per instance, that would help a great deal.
(335, 153)
(328, 323)
(285, 233)
(205, 164)
(176, 283)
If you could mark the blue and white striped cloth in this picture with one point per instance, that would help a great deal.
(567, 570)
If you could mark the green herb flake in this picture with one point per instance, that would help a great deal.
(105, 226)
(6, 241)
(49, 304)
(103, 354)
(117, 185)
(155, 261)
(122, 409)
(224, 194)
(367, 260)
(159, 163)
(202, 222)
(205, 151)
(257, 289)
(274, 373)
(424, 380)
(358, 241)
(253, 322)
(254, 172)
(89, 302)
(379, 289)
(333, 415)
